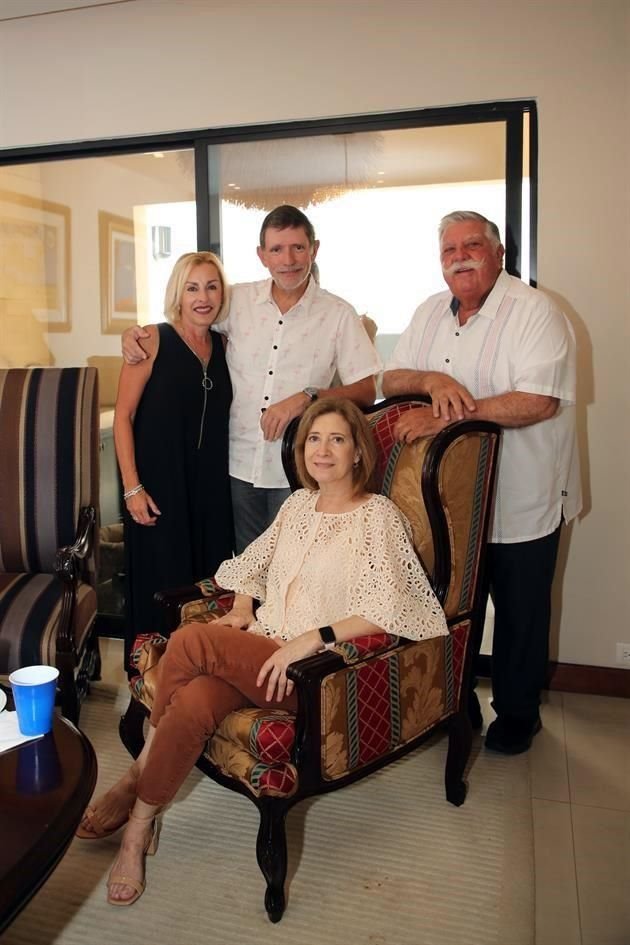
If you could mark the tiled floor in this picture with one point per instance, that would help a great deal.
(580, 787)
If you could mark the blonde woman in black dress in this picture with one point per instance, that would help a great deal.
(171, 435)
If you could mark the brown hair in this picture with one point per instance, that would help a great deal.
(287, 217)
(363, 473)
(179, 276)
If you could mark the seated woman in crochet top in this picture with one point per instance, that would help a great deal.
(336, 563)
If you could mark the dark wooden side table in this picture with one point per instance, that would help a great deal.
(45, 786)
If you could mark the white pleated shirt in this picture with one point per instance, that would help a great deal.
(517, 341)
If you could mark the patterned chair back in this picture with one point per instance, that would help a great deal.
(399, 473)
(48, 463)
(447, 511)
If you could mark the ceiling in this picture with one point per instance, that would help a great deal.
(256, 171)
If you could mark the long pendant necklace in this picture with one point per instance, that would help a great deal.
(206, 382)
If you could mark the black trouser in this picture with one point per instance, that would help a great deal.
(519, 578)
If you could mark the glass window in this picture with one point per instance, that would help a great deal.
(375, 198)
(86, 247)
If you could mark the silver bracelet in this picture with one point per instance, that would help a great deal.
(134, 491)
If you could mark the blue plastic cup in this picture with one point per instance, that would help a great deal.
(34, 696)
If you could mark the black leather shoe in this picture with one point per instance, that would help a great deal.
(474, 711)
(510, 735)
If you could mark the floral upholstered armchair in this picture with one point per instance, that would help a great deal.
(368, 701)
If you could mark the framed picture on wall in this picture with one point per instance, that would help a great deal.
(119, 304)
(35, 258)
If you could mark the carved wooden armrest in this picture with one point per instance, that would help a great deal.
(68, 568)
(173, 600)
(68, 558)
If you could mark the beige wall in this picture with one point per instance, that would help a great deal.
(153, 65)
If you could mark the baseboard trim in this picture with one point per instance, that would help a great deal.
(592, 680)
(574, 677)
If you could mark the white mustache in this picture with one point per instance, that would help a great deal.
(459, 266)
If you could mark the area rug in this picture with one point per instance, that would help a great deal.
(384, 862)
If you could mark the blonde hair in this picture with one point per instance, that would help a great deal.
(363, 473)
(179, 276)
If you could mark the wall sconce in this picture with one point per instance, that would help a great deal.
(161, 241)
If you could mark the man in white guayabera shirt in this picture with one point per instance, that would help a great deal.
(287, 340)
(494, 348)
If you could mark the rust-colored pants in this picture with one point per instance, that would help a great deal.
(207, 671)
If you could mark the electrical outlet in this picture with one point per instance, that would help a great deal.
(623, 654)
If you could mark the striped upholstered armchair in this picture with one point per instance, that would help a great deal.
(369, 701)
(48, 525)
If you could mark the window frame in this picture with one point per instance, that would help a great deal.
(199, 141)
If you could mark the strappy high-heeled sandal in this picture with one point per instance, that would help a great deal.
(138, 885)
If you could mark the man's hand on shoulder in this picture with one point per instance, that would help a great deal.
(132, 350)
(450, 399)
(416, 423)
(276, 417)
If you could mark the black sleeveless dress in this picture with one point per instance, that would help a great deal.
(181, 446)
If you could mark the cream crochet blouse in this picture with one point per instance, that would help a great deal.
(313, 568)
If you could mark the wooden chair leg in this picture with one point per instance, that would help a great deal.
(271, 852)
(459, 745)
(131, 725)
(68, 694)
(95, 673)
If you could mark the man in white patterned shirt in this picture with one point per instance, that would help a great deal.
(496, 349)
(287, 339)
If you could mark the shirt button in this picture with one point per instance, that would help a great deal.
(448, 360)
(271, 372)
(280, 322)
(266, 398)
(457, 334)
(275, 347)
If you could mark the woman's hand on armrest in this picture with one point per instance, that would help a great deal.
(274, 669)
(242, 613)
